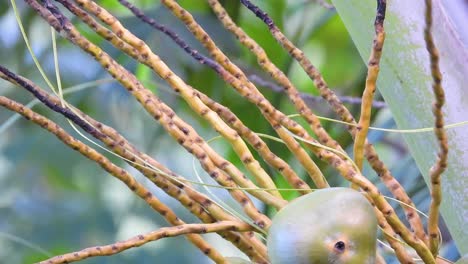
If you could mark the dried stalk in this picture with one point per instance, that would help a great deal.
(102, 161)
(142, 239)
(441, 164)
(371, 80)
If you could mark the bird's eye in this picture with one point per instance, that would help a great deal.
(340, 246)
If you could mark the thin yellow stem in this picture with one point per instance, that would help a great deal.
(142, 239)
(371, 80)
(441, 164)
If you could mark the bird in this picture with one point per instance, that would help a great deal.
(333, 225)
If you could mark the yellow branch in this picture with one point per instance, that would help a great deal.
(187, 92)
(157, 109)
(371, 80)
(441, 164)
(142, 239)
(114, 170)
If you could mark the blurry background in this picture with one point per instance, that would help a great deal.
(52, 200)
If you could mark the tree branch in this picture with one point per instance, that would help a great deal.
(142, 239)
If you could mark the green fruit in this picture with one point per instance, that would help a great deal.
(334, 225)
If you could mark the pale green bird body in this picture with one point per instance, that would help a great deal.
(333, 225)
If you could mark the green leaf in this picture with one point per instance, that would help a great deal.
(405, 83)
(144, 74)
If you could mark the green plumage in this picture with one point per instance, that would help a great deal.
(334, 225)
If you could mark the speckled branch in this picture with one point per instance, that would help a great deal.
(392, 239)
(102, 161)
(224, 112)
(155, 107)
(185, 91)
(132, 51)
(195, 202)
(197, 145)
(198, 204)
(441, 164)
(142, 239)
(265, 62)
(237, 79)
(373, 67)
